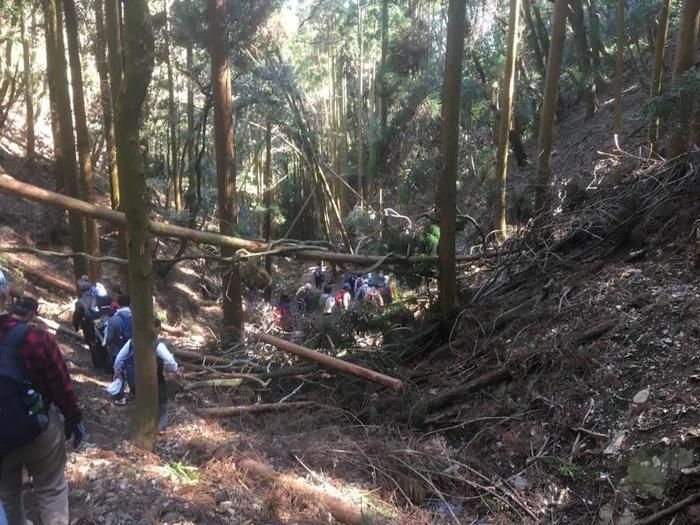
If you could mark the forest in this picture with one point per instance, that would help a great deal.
(401, 261)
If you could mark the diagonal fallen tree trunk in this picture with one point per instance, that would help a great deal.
(328, 361)
(253, 409)
(56, 200)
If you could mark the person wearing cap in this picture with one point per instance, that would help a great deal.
(45, 457)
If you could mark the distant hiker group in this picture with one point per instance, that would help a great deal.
(355, 291)
(107, 326)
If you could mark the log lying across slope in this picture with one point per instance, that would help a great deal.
(56, 200)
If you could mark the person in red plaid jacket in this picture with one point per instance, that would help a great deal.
(45, 457)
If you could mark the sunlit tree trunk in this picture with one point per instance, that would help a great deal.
(172, 118)
(657, 72)
(547, 113)
(507, 89)
(584, 57)
(139, 58)
(683, 61)
(62, 125)
(28, 90)
(225, 162)
(87, 179)
(619, 68)
(447, 186)
(383, 72)
(267, 201)
(106, 102)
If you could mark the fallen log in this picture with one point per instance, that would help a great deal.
(63, 202)
(60, 329)
(288, 371)
(328, 361)
(42, 276)
(253, 409)
(423, 408)
(668, 511)
(204, 358)
(595, 332)
(341, 510)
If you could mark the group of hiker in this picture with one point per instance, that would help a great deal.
(355, 290)
(35, 385)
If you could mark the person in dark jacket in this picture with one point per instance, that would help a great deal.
(45, 457)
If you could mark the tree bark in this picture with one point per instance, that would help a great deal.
(549, 102)
(172, 119)
(507, 89)
(657, 72)
(383, 85)
(597, 48)
(447, 187)
(139, 58)
(267, 202)
(62, 126)
(359, 108)
(106, 102)
(576, 18)
(683, 61)
(113, 30)
(225, 162)
(619, 68)
(330, 362)
(87, 179)
(28, 91)
(191, 196)
(534, 40)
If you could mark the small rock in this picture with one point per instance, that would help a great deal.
(641, 397)
(615, 445)
(519, 482)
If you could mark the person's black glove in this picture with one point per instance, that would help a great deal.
(75, 430)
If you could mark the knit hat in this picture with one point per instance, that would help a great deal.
(25, 306)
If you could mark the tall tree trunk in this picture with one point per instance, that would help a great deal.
(657, 72)
(447, 187)
(619, 68)
(683, 61)
(106, 102)
(534, 40)
(139, 58)
(597, 48)
(113, 32)
(549, 102)
(28, 90)
(267, 201)
(359, 107)
(172, 118)
(225, 162)
(191, 195)
(541, 29)
(383, 84)
(507, 89)
(62, 125)
(576, 19)
(87, 179)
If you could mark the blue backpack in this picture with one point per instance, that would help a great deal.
(126, 326)
(22, 414)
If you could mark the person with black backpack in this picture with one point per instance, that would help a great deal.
(117, 330)
(34, 382)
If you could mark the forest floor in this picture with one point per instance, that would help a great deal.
(592, 428)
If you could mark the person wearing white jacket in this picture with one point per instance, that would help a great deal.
(124, 368)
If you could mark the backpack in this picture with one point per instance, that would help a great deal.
(22, 415)
(339, 298)
(126, 326)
